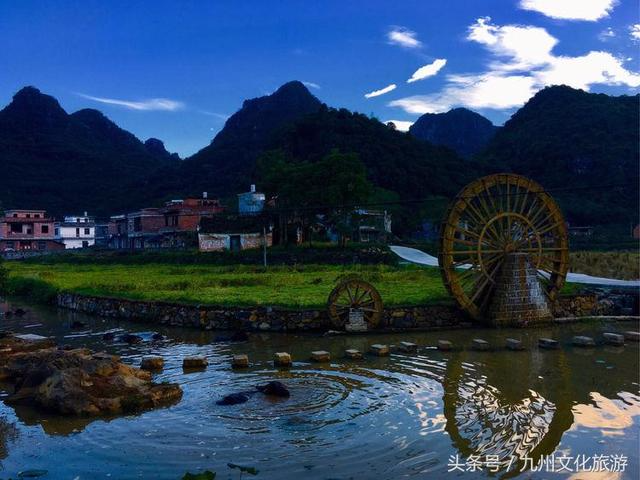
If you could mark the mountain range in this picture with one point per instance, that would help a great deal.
(562, 137)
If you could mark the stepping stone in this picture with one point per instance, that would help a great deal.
(152, 362)
(613, 338)
(353, 354)
(380, 350)
(479, 344)
(582, 341)
(282, 359)
(514, 344)
(408, 347)
(547, 343)
(240, 361)
(632, 336)
(444, 345)
(194, 362)
(320, 356)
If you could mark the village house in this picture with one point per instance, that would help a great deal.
(28, 230)
(173, 226)
(235, 232)
(77, 231)
(251, 228)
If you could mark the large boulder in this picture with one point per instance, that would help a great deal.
(80, 382)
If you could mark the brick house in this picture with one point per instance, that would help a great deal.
(172, 226)
(24, 230)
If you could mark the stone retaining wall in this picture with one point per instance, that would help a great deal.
(426, 317)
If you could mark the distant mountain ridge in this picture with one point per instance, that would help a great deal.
(84, 161)
(63, 162)
(460, 129)
(570, 139)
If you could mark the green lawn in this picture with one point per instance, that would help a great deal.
(285, 286)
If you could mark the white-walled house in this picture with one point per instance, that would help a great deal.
(77, 231)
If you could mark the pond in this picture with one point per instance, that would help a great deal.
(429, 414)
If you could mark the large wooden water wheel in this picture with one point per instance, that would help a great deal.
(355, 305)
(491, 218)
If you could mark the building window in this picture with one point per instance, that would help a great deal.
(86, 231)
(85, 244)
(15, 215)
(16, 228)
(57, 230)
(45, 228)
(42, 245)
(77, 232)
(28, 215)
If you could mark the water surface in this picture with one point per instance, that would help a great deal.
(405, 416)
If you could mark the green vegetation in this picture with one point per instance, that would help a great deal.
(298, 286)
(622, 265)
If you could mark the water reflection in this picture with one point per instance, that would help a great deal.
(401, 416)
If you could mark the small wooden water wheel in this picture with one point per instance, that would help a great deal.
(494, 217)
(355, 305)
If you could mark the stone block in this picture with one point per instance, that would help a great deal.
(320, 356)
(583, 341)
(194, 362)
(445, 345)
(480, 344)
(282, 359)
(240, 361)
(613, 338)
(632, 336)
(547, 343)
(152, 362)
(379, 350)
(408, 347)
(353, 354)
(514, 344)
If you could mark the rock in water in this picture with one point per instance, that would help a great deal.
(78, 382)
(77, 325)
(233, 399)
(131, 338)
(275, 388)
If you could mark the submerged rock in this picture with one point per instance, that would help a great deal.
(77, 382)
(131, 338)
(275, 388)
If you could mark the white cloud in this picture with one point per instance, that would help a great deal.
(521, 63)
(401, 125)
(312, 85)
(523, 46)
(474, 91)
(634, 31)
(149, 104)
(428, 70)
(589, 10)
(404, 37)
(382, 91)
(606, 34)
(221, 116)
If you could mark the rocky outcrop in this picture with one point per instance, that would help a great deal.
(76, 382)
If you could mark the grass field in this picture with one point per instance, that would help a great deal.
(240, 285)
(622, 265)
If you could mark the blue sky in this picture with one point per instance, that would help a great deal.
(176, 69)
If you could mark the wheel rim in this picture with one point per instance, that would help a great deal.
(354, 294)
(493, 217)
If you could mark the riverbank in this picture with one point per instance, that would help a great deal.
(394, 319)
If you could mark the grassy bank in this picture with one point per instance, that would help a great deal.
(287, 286)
